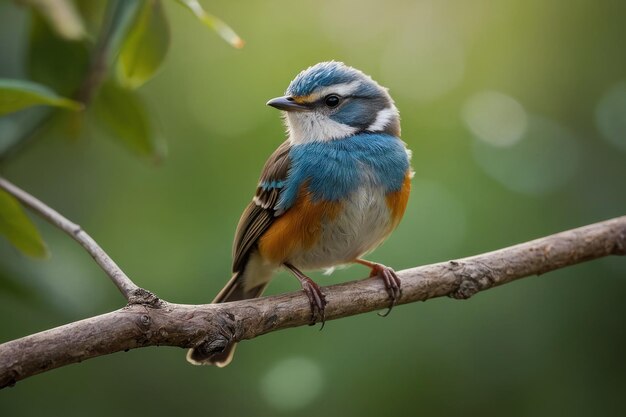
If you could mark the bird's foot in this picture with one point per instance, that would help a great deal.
(390, 279)
(316, 297)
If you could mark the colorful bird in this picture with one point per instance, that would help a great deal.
(331, 193)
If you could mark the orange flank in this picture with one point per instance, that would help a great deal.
(298, 229)
(398, 200)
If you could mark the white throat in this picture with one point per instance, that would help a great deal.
(306, 127)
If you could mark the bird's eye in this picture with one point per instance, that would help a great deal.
(332, 100)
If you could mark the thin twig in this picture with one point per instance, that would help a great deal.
(100, 58)
(214, 326)
(126, 286)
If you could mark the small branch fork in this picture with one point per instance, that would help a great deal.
(148, 321)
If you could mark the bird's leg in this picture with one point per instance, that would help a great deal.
(314, 292)
(389, 277)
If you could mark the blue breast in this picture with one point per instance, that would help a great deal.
(334, 169)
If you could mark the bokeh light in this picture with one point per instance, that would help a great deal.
(545, 159)
(425, 60)
(495, 118)
(292, 383)
(343, 22)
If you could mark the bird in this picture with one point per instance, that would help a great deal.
(332, 192)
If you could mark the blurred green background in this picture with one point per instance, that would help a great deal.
(516, 115)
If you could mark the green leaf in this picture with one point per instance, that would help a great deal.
(122, 114)
(121, 16)
(18, 94)
(62, 17)
(91, 12)
(18, 229)
(145, 46)
(214, 23)
(53, 61)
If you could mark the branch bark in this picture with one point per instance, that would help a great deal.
(214, 326)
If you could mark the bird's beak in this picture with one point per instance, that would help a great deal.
(287, 103)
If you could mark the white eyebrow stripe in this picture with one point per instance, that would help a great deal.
(343, 90)
(383, 118)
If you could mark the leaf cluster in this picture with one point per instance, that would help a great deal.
(85, 62)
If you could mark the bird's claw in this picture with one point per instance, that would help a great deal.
(392, 284)
(317, 299)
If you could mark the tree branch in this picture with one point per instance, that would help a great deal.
(214, 326)
(127, 287)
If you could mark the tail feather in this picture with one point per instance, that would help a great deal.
(234, 290)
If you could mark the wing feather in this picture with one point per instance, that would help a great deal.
(261, 212)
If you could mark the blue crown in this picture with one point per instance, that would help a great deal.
(326, 74)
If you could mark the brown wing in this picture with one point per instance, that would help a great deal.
(260, 213)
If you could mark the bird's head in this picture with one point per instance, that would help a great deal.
(331, 100)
